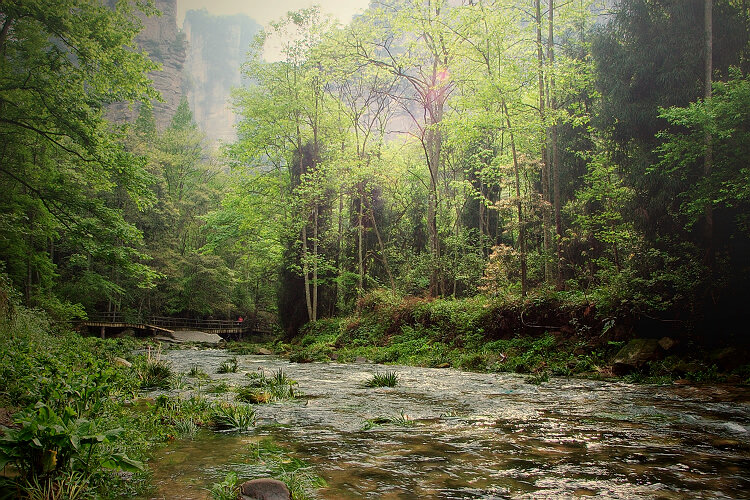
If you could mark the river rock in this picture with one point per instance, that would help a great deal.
(263, 351)
(667, 343)
(197, 336)
(727, 358)
(635, 354)
(264, 489)
(122, 362)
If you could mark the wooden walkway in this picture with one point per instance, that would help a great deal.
(163, 325)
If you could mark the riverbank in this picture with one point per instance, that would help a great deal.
(539, 337)
(132, 406)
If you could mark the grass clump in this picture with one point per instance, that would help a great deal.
(186, 428)
(154, 372)
(387, 379)
(271, 460)
(402, 420)
(197, 372)
(229, 366)
(228, 489)
(267, 389)
(538, 378)
(232, 417)
(219, 388)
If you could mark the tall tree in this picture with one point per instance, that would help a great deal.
(554, 157)
(61, 63)
(707, 157)
(410, 39)
(283, 132)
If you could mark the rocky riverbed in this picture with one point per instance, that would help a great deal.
(443, 433)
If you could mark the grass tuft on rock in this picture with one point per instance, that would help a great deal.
(387, 379)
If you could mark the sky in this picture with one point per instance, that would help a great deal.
(263, 11)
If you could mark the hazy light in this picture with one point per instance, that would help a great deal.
(264, 11)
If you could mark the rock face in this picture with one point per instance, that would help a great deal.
(264, 489)
(217, 48)
(728, 358)
(166, 46)
(635, 354)
(202, 61)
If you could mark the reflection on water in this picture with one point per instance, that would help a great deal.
(478, 436)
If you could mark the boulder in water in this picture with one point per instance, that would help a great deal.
(264, 489)
(635, 354)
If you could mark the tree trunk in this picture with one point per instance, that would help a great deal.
(360, 241)
(382, 248)
(708, 155)
(546, 218)
(521, 222)
(315, 265)
(432, 143)
(555, 163)
(340, 254)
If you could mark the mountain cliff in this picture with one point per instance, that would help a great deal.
(217, 47)
(166, 45)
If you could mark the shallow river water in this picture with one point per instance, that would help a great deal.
(477, 435)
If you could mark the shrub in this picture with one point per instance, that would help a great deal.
(45, 443)
(387, 379)
(473, 362)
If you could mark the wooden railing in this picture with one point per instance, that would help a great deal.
(248, 325)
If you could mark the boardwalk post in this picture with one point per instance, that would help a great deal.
(102, 331)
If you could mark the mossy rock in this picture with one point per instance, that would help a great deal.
(635, 355)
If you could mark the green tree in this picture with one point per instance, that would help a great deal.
(412, 40)
(725, 189)
(61, 64)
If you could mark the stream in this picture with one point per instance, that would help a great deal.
(475, 435)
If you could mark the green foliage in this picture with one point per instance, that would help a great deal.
(299, 476)
(538, 378)
(219, 388)
(69, 431)
(62, 63)
(186, 428)
(726, 189)
(154, 372)
(46, 442)
(170, 417)
(232, 417)
(228, 366)
(228, 489)
(197, 372)
(387, 379)
(265, 389)
(402, 420)
(71, 486)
